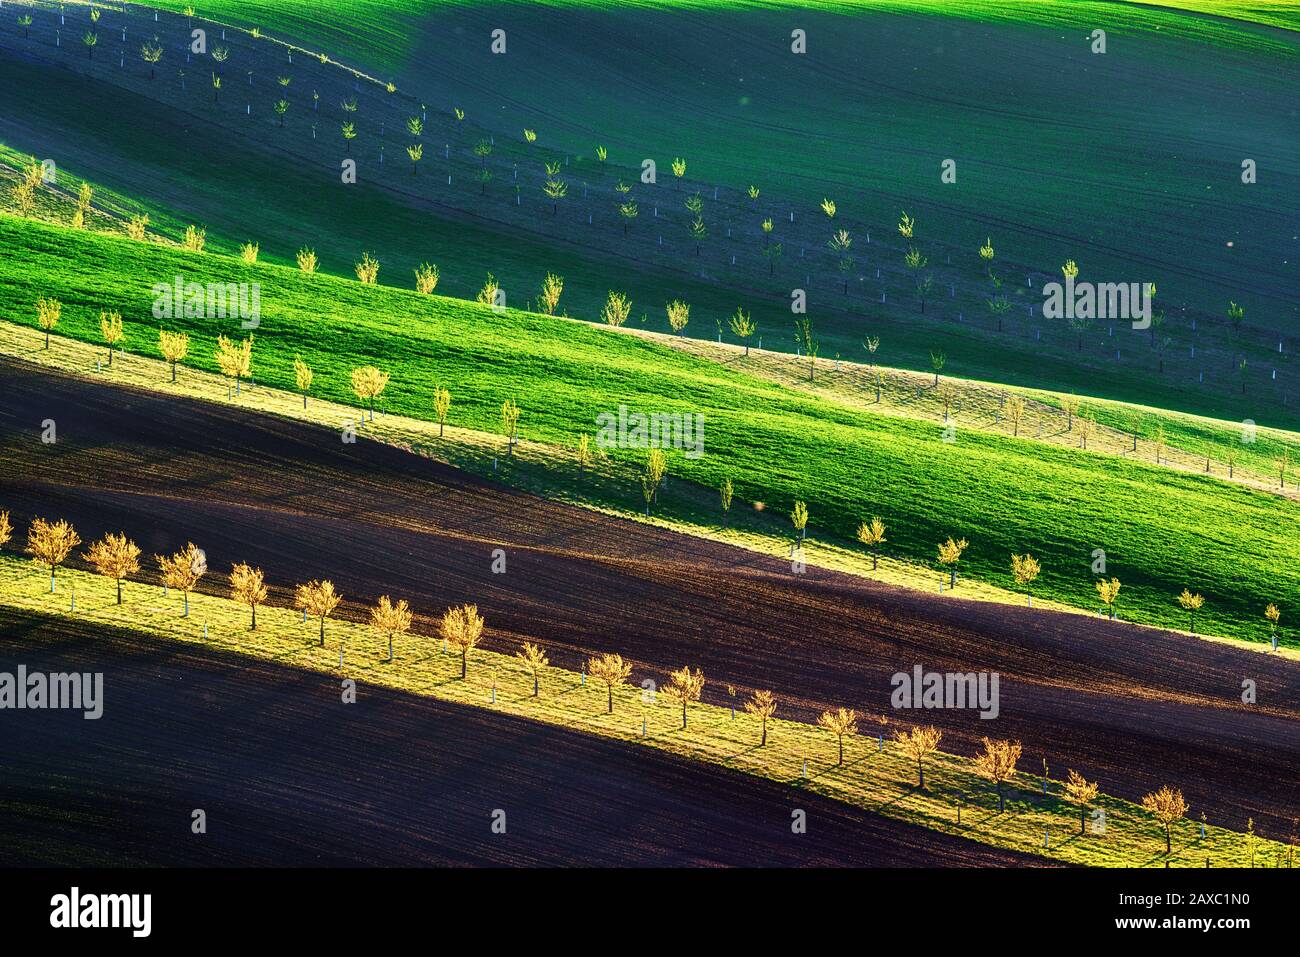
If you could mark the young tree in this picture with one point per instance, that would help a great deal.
(462, 628)
(803, 328)
(416, 152)
(1166, 806)
(986, 256)
(685, 686)
(317, 598)
(248, 587)
(483, 149)
(390, 619)
(47, 315)
(949, 554)
(441, 406)
(510, 424)
(742, 326)
(1015, 412)
(773, 253)
(235, 359)
(174, 347)
(367, 269)
(110, 328)
(872, 534)
(584, 455)
(628, 210)
(839, 723)
(617, 308)
(1108, 591)
(248, 253)
(183, 570)
(1079, 791)
(552, 289)
(25, 21)
(368, 384)
(50, 543)
(195, 238)
(725, 491)
(151, 53)
(1070, 406)
(699, 232)
(998, 764)
(762, 706)
(799, 519)
(7, 530)
(656, 467)
(1271, 612)
(84, 194)
(136, 226)
(488, 295)
(612, 670)
(534, 661)
(115, 557)
(679, 314)
(555, 190)
(348, 130)
(1025, 569)
(90, 40)
(302, 376)
(426, 278)
(679, 167)
(307, 260)
(937, 361)
(906, 226)
(917, 744)
(924, 289)
(1191, 603)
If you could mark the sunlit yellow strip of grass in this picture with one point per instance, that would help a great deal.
(537, 467)
(879, 779)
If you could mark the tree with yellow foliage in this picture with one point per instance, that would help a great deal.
(584, 453)
(6, 529)
(1015, 413)
(1079, 791)
(441, 406)
(248, 587)
(534, 661)
(839, 723)
(725, 493)
(307, 260)
(612, 670)
(656, 467)
(367, 269)
(115, 557)
(235, 360)
(1108, 591)
(1271, 612)
(174, 346)
(302, 376)
(917, 744)
(799, 519)
(684, 685)
(949, 554)
(462, 628)
(616, 310)
(389, 618)
(742, 326)
(369, 383)
(762, 706)
(50, 543)
(1191, 603)
(1025, 569)
(1166, 806)
(183, 570)
(47, 315)
(552, 289)
(998, 764)
(510, 424)
(317, 598)
(426, 278)
(872, 535)
(110, 328)
(679, 314)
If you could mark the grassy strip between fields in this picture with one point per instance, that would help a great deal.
(536, 467)
(876, 774)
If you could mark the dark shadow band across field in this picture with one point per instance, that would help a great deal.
(287, 775)
(1133, 707)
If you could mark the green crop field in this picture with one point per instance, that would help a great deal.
(1161, 530)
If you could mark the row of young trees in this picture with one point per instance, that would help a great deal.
(117, 557)
(234, 359)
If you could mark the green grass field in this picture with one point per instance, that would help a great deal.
(888, 90)
(1162, 530)
(876, 775)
